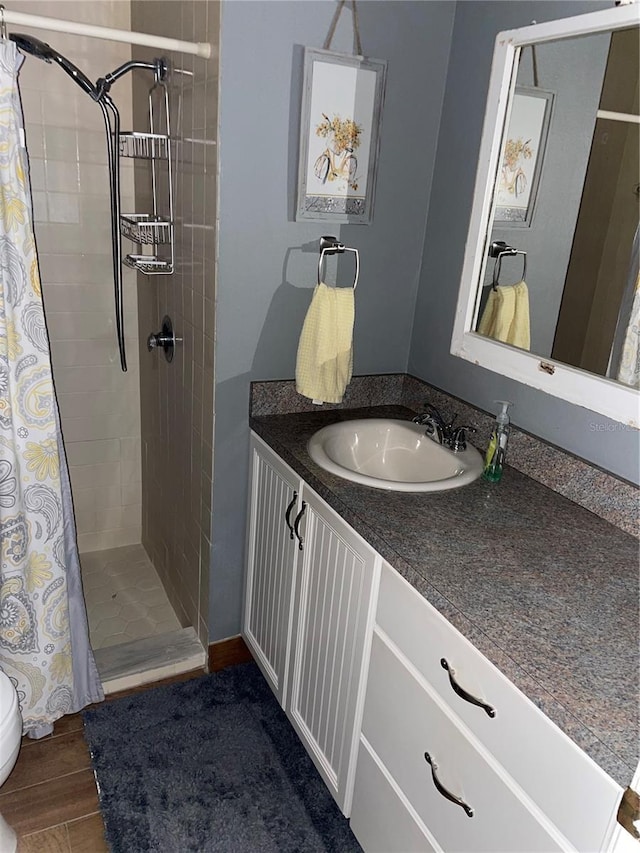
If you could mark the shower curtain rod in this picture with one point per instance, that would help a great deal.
(202, 49)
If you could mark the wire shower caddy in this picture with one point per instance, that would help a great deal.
(155, 229)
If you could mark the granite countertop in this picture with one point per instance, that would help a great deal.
(545, 589)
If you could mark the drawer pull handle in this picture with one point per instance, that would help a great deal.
(442, 790)
(287, 515)
(463, 693)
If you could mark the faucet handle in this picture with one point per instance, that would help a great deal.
(431, 410)
(458, 441)
(433, 414)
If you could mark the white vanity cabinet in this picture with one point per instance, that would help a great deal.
(308, 612)
(373, 678)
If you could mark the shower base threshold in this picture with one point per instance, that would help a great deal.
(151, 659)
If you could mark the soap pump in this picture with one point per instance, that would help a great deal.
(496, 451)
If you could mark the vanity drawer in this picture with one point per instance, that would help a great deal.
(576, 794)
(380, 818)
(402, 721)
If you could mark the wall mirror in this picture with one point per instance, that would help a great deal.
(557, 206)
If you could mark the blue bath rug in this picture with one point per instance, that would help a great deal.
(206, 765)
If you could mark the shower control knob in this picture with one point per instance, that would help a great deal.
(156, 340)
(164, 339)
(159, 340)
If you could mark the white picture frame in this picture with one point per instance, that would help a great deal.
(522, 158)
(341, 111)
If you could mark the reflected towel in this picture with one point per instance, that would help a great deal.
(506, 316)
(325, 352)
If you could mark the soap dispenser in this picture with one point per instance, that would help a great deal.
(496, 451)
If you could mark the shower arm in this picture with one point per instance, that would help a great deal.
(158, 66)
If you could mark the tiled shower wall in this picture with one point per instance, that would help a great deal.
(177, 398)
(67, 153)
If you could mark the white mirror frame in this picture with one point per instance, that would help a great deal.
(605, 396)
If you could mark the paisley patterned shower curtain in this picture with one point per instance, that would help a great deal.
(44, 645)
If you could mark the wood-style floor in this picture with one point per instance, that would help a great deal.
(50, 798)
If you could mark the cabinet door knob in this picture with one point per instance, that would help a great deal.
(287, 515)
(296, 525)
(463, 693)
(442, 790)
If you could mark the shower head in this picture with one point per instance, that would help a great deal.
(32, 45)
(42, 50)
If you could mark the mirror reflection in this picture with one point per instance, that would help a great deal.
(561, 275)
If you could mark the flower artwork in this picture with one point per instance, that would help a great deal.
(338, 161)
(519, 174)
(513, 177)
(339, 133)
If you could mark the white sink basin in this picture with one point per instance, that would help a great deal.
(392, 454)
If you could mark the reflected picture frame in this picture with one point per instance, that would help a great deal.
(342, 100)
(522, 158)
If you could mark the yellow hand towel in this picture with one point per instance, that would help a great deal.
(506, 316)
(325, 352)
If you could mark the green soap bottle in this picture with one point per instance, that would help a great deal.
(496, 451)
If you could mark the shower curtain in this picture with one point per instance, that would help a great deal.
(44, 642)
(625, 354)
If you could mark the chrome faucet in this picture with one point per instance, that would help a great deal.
(445, 433)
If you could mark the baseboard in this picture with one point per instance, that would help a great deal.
(228, 652)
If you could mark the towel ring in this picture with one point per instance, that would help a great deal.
(331, 250)
(500, 253)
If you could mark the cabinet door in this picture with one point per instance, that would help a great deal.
(272, 551)
(333, 610)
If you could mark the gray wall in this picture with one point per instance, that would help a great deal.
(267, 262)
(593, 437)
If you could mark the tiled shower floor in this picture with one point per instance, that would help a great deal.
(124, 597)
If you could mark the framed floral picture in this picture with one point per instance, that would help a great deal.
(339, 136)
(522, 156)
